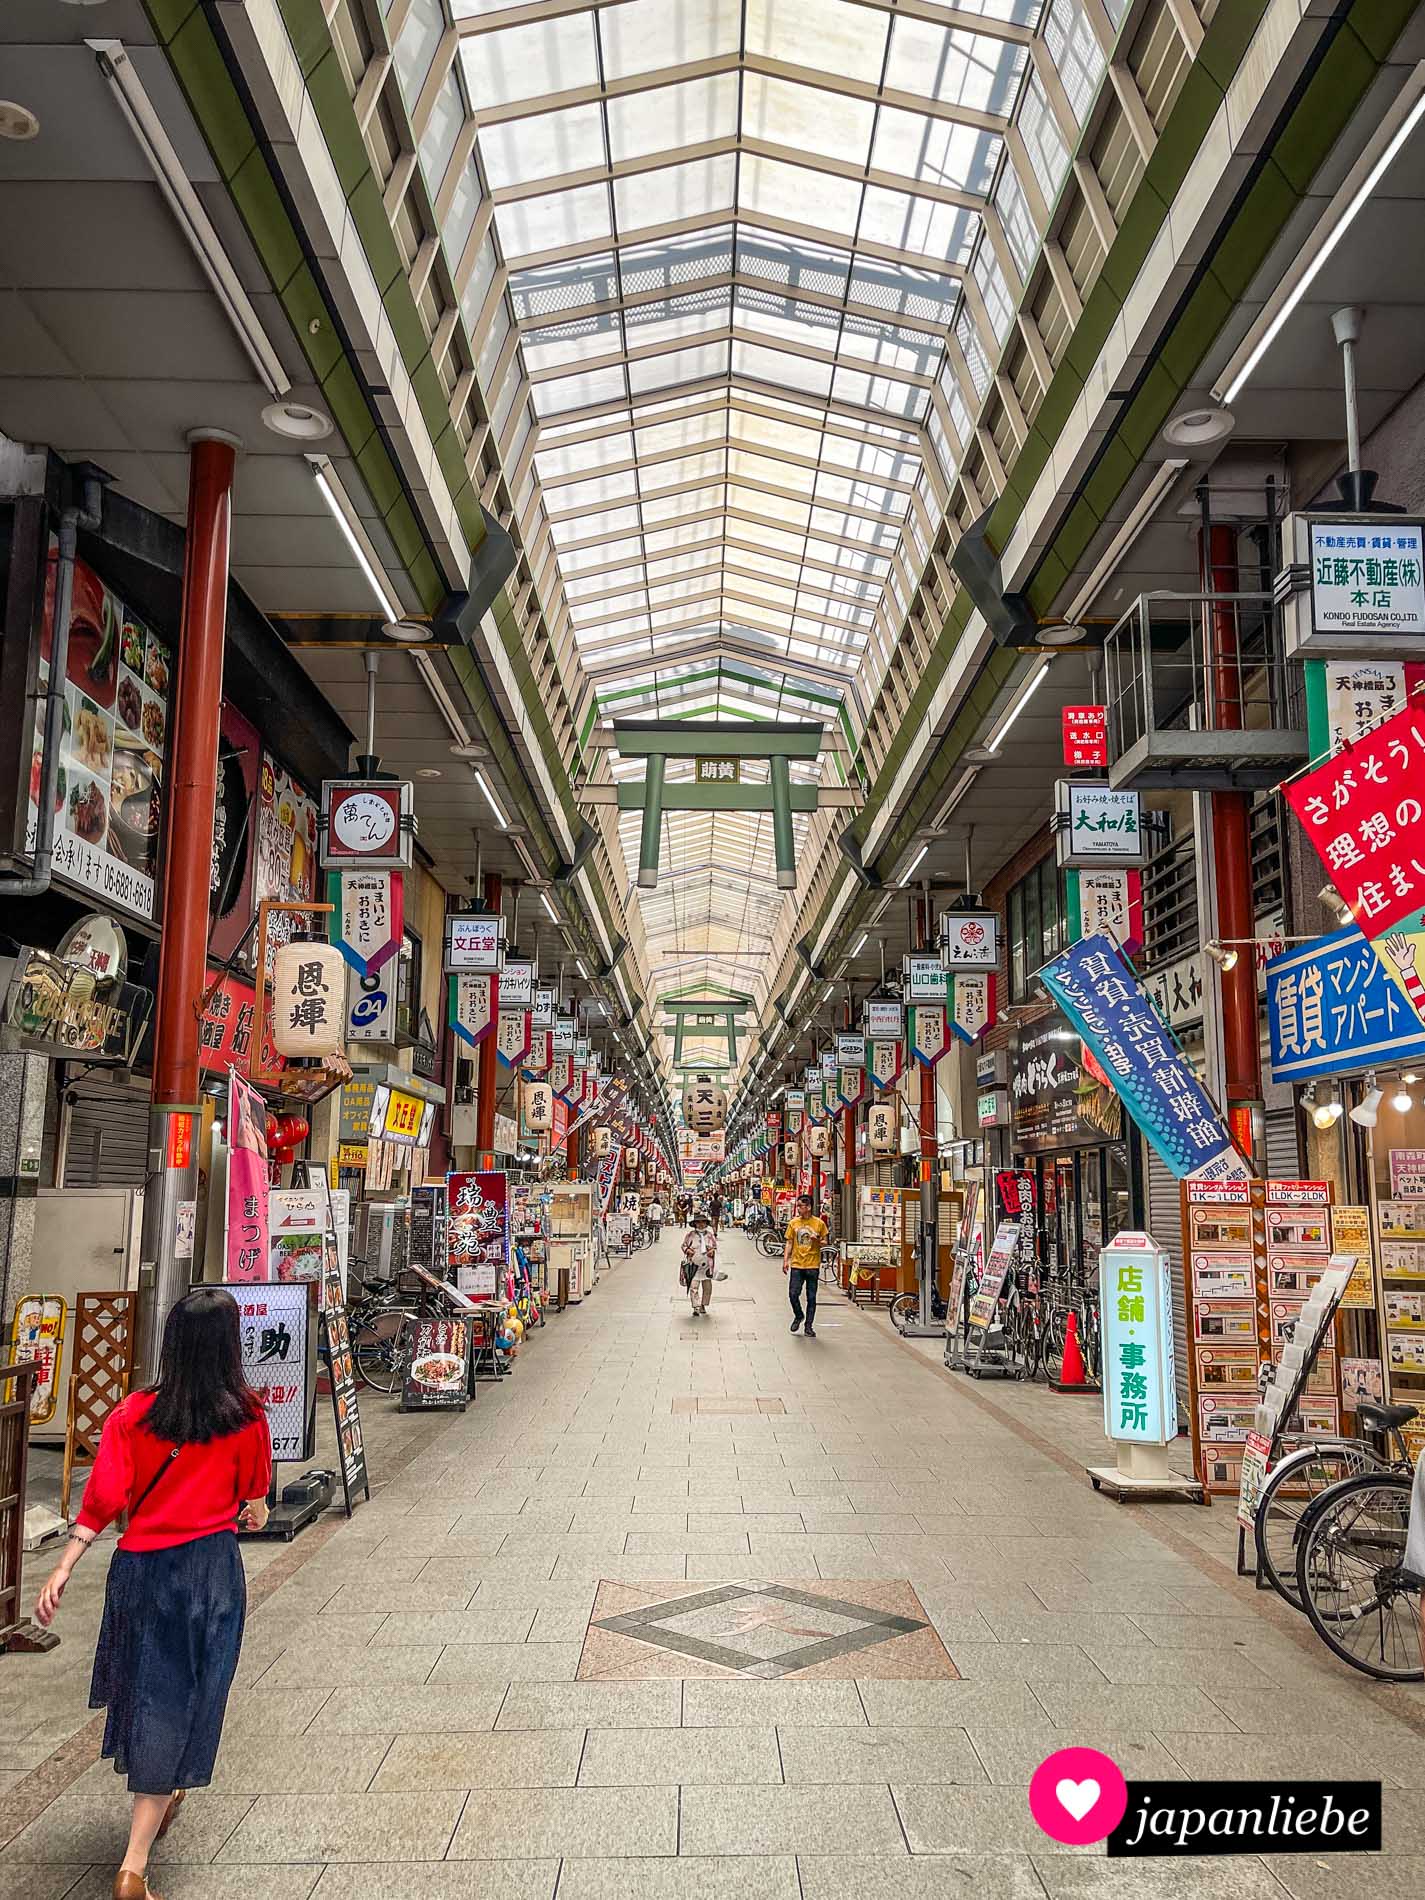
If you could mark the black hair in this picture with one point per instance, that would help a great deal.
(201, 1393)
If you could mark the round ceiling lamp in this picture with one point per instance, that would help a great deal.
(17, 121)
(408, 633)
(1067, 633)
(298, 421)
(1199, 428)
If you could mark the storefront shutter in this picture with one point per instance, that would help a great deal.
(1166, 1226)
(1283, 1145)
(108, 1136)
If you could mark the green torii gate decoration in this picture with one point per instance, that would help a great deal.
(712, 1012)
(715, 745)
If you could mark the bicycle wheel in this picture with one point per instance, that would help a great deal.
(1350, 1576)
(377, 1351)
(905, 1307)
(1288, 1498)
(1052, 1347)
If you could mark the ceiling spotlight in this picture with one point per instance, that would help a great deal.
(1199, 428)
(408, 633)
(17, 121)
(427, 771)
(1367, 1111)
(1067, 633)
(1400, 1102)
(1334, 901)
(1326, 1114)
(298, 421)
(1223, 955)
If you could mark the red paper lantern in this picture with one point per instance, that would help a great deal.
(292, 1129)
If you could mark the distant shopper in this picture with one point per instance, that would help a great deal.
(655, 1216)
(715, 1209)
(189, 1460)
(801, 1262)
(699, 1264)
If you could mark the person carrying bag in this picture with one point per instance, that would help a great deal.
(187, 1462)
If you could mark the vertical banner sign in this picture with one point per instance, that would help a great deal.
(1139, 1389)
(369, 918)
(887, 1059)
(540, 1054)
(248, 1245)
(477, 1231)
(1085, 733)
(930, 1033)
(1104, 1000)
(972, 1003)
(473, 1006)
(1364, 812)
(1106, 903)
(512, 1037)
(561, 1075)
(850, 1086)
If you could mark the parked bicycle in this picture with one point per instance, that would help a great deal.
(1351, 1576)
(377, 1322)
(771, 1242)
(1062, 1297)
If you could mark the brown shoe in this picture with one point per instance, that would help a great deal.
(170, 1813)
(132, 1887)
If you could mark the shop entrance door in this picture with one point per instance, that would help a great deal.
(1065, 1194)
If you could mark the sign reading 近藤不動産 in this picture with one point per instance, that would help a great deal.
(1102, 997)
(1367, 577)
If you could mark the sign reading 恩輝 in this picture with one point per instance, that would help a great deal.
(472, 1007)
(1367, 577)
(1104, 1000)
(1332, 1010)
(1098, 825)
(369, 920)
(1085, 735)
(1364, 812)
(969, 939)
(1136, 1304)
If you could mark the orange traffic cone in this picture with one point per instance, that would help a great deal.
(1072, 1371)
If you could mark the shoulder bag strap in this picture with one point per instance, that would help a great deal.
(143, 1496)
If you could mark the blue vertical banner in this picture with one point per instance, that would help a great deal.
(1101, 995)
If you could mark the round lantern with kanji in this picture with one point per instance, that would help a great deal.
(704, 1104)
(308, 1000)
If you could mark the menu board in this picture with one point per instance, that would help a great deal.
(428, 1227)
(113, 745)
(997, 1266)
(297, 1225)
(336, 1340)
(285, 866)
(438, 1377)
(1255, 1254)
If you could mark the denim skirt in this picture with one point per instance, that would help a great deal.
(168, 1651)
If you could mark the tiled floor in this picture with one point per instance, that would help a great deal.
(423, 1708)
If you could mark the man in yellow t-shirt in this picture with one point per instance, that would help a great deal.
(801, 1262)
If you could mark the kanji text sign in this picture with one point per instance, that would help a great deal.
(1136, 1307)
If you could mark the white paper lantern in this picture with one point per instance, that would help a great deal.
(792, 1156)
(308, 999)
(704, 1105)
(630, 1157)
(818, 1140)
(603, 1142)
(882, 1129)
(538, 1107)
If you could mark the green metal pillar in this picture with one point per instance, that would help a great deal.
(653, 821)
(781, 822)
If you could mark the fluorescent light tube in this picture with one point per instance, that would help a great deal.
(363, 560)
(910, 870)
(491, 800)
(1036, 681)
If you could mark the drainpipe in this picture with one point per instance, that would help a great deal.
(71, 520)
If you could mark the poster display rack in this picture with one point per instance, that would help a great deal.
(1005, 1255)
(1253, 1252)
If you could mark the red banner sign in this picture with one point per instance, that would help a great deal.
(1085, 732)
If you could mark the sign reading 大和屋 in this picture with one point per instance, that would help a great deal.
(1098, 824)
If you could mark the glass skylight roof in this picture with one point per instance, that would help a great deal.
(734, 238)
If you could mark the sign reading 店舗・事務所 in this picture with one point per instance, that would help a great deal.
(1136, 1306)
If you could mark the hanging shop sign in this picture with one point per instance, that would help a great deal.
(972, 1003)
(1332, 1010)
(109, 778)
(248, 1249)
(538, 1107)
(1140, 1405)
(367, 822)
(478, 1230)
(925, 980)
(517, 984)
(929, 1033)
(795, 1117)
(1106, 903)
(561, 1077)
(1364, 813)
(405, 1120)
(791, 1156)
(1097, 824)
(1055, 1102)
(1354, 584)
(512, 1033)
(850, 1050)
(992, 1108)
(37, 1336)
(308, 1010)
(884, 1063)
(819, 1142)
(883, 1128)
(851, 1084)
(472, 942)
(225, 1032)
(278, 1361)
(1102, 997)
(794, 1099)
(1084, 730)
(371, 1007)
(969, 939)
(368, 917)
(563, 1033)
(54, 1008)
(883, 1022)
(472, 1009)
(543, 1008)
(704, 1104)
(540, 1054)
(1346, 699)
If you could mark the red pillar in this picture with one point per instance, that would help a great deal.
(929, 1133)
(1232, 851)
(190, 800)
(487, 1069)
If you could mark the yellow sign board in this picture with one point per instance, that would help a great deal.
(403, 1115)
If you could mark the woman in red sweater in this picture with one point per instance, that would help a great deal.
(188, 1460)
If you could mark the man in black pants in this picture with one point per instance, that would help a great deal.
(801, 1262)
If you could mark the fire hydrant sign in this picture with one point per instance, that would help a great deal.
(1085, 732)
(1139, 1391)
(1364, 812)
